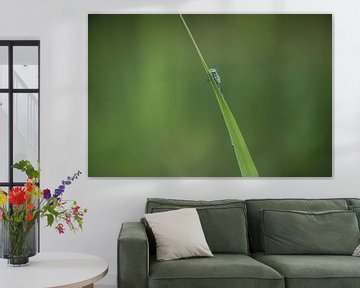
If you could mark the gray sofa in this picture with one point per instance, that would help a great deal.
(235, 234)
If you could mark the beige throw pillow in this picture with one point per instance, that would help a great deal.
(357, 251)
(178, 234)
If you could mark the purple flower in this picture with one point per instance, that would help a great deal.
(58, 192)
(68, 181)
(46, 194)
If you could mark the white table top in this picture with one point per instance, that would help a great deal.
(54, 270)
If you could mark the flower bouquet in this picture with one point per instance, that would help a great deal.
(21, 208)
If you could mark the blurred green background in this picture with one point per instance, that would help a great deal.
(152, 111)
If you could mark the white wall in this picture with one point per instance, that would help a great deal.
(61, 25)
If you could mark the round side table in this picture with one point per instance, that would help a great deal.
(50, 270)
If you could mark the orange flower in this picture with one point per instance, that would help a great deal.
(29, 206)
(29, 217)
(27, 196)
(29, 187)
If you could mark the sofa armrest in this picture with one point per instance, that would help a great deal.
(133, 256)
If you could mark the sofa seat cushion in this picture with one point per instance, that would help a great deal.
(222, 270)
(313, 271)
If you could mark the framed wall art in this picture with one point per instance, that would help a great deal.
(210, 95)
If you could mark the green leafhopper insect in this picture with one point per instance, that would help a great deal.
(215, 75)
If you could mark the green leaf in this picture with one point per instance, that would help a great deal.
(246, 164)
(52, 211)
(50, 219)
(28, 168)
(80, 224)
(21, 164)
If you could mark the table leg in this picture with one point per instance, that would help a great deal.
(89, 286)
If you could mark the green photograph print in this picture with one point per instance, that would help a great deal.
(222, 95)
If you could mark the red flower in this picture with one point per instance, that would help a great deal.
(68, 219)
(29, 206)
(60, 228)
(29, 186)
(27, 196)
(75, 209)
(17, 196)
(29, 217)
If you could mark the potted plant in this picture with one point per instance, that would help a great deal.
(21, 208)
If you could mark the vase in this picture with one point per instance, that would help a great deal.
(18, 242)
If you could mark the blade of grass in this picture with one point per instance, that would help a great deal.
(243, 157)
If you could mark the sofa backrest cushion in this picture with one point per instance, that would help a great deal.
(353, 201)
(256, 205)
(298, 232)
(354, 205)
(223, 221)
